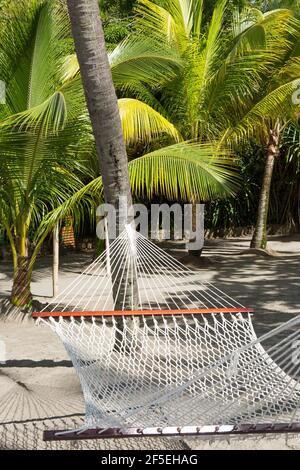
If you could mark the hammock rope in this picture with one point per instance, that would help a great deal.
(185, 356)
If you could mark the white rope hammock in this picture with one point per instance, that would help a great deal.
(158, 352)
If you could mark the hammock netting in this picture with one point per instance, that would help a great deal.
(155, 348)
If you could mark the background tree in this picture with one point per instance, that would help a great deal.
(271, 107)
(46, 143)
(145, 67)
(42, 163)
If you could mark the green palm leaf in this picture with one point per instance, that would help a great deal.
(141, 123)
(276, 104)
(145, 60)
(186, 171)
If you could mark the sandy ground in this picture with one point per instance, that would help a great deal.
(36, 362)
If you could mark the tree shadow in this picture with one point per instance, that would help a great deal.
(269, 285)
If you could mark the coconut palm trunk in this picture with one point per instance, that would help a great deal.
(20, 294)
(259, 239)
(104, 114)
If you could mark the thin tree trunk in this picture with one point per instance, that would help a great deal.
(104, 113)
(67, 233)
(259, 239)
(21, 295)
(55, 265)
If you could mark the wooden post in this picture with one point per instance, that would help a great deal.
(55, 265)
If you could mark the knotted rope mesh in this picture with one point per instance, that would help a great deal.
(167, 368)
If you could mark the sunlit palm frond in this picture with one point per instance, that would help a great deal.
(253, 29)
(30, 53)
(175, 20)
(141, 123)
(69, 67)
(185, 171)
(48, 116)
(145, 60)
(155, 20)
(276, 104)
(259, 42)
(213, 42)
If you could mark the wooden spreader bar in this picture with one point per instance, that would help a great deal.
(96, 433)
(129, 313)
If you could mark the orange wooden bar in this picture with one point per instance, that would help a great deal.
(127, 313)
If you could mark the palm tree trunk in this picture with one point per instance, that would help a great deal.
(104, 113)
(21, 295)
(259, 239)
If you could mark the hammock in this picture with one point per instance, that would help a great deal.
(159, 353)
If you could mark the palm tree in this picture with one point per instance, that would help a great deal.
(222, 63)
(41, 162)
(216, 70)
(45, 135)
(44, 129)
(140, 66)
(184, 67)
(237, 78)
(147, 62)
(212, 84)
(271, 108)
(105, 118)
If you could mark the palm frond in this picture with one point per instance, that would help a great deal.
(141, 123)
(30, 53)
(253, 29)
(213, 41)
(156, 21)
(69, 67)
(144, 59)
(51, 115)
(185, 171)
(276, 104)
